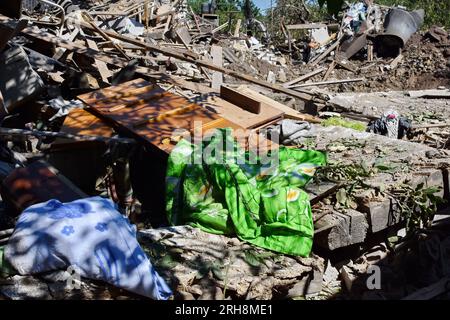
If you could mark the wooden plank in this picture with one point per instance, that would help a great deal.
(340, 229)
(169, 20)
(11, 133)
(237, 28)
(193, 86)
(81, 122)
(229, 55)
(90, 20)
(217, 77)
(322, 83)
(184, 36)
(241, 117)
(60, 51)
(430, 94)
(126, 92)
(330, 70)
(288, 112)
(219, 28)
(344, 65)
(370, 52)
(101, 66)
(152, 133)
(304, 77)
(243, 101)
(333, 47)
(396, 61)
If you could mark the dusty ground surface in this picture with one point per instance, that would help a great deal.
(425, 65)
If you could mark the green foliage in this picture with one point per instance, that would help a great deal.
(417, 204)
(339, 122)
(437, 12)
(340, 172)
(227, 9)
(333, 6)
(255, 258)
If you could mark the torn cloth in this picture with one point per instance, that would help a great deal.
(391, 125)
(228, 191)
(291, 132)
(90, 236)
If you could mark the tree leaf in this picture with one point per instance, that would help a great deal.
(167, 262)
(218, 273)
(251, 258)
(341, 196)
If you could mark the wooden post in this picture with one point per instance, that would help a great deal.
(330, 70)
(237, 28)
(146, 20)
(217, 77)
(370, 52)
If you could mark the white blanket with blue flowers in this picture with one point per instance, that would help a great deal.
(91, 237)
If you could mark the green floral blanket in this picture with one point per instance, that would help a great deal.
(220, 189)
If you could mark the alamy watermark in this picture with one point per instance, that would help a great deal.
(73, 278)
(373, 282)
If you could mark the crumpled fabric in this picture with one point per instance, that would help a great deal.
(391, 125)
(354, 16)
(223, 192)
(63, 106)
(90, 236)
(291, 132)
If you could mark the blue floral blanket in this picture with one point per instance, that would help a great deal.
(88, 236)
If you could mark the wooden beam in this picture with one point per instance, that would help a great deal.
(326, 53)
(288, 112)
(219, 28)
(217, 77)
(344, 66)
(10, 134)
(102, 68)
(322, 83)
(240, 99)
(237, 28)
(330, 70)
(305, 26)
(89, 19)
(304, 77)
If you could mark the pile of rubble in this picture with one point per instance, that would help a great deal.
(94, 96)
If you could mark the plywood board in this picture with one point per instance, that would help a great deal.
(81, 122)
(155, 133)
(217, 77)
